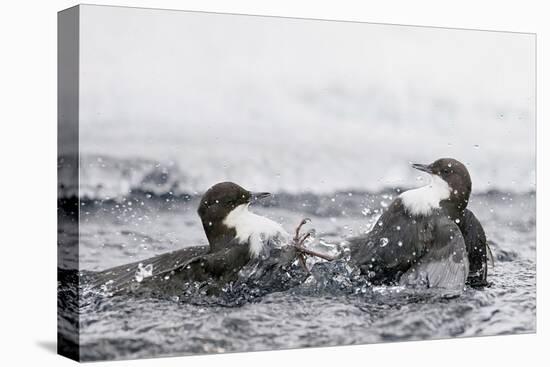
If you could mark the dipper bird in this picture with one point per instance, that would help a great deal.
(427, 236)
(236, 237)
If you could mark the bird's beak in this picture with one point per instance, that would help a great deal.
(422, 167)
(257, 196)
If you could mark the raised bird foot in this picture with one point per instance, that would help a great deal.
(298, 243)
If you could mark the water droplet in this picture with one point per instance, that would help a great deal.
(384, 242)
(143, 272)
(400, 243)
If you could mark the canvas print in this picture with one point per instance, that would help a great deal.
(236, 183)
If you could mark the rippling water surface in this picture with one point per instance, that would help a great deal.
(325, 310)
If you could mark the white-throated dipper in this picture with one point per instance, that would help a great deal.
(427, 236)
(236, 236)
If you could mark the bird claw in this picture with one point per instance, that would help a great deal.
(298, 243)
(299, 228)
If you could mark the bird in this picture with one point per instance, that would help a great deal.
(236, 236)
(427, 237)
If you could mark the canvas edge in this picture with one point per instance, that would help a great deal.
(68, 321)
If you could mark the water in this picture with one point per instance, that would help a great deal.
(328, 309)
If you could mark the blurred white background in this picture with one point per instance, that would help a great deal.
(302, 105)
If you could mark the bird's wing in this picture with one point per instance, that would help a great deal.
(392, 246)
(476, 246)
(211, 265)
(213, 270)
(445, 263)
(120, 276)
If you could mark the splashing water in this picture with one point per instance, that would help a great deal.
(288, 308)
(143, 272)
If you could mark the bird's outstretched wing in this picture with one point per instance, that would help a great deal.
(120, 277)
(444, 264)
(213, 270)
(225, 264)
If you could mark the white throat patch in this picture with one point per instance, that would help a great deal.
(253, 228)
(423, 200)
